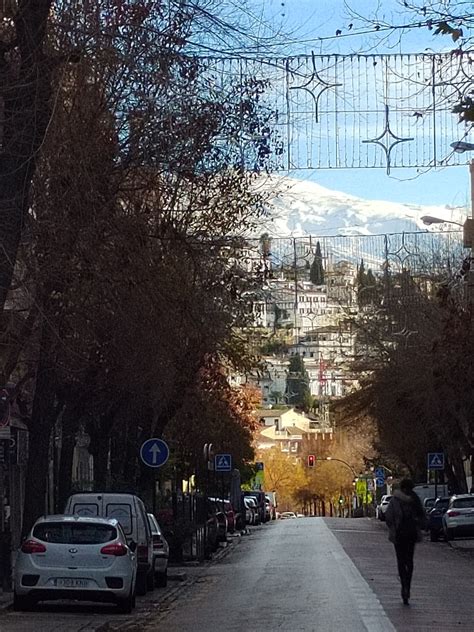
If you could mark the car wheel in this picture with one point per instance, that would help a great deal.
(150, 580)
(125, 606)
(141, 584)
(449, 535)
(161, 579)
(22, 602)
(433, 536)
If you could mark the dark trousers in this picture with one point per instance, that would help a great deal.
(405, 549)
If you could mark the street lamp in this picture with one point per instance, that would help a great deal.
(332, 458)
(428, 220)
(461, 146)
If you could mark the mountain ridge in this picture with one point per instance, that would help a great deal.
(299, 207)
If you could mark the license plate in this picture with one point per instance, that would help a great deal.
(67, 582)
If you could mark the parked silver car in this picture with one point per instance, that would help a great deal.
(72, 557)
(160, 552)
(382, 507)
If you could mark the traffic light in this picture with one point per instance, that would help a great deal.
(311, 460)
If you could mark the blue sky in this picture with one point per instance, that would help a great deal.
(312, 25)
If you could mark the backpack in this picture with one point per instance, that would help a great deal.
(408, 526)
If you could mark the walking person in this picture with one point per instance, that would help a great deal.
(405, 519)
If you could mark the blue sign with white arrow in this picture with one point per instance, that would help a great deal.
(223, 463)
(154, 452)
(379, 472)
(436, 460)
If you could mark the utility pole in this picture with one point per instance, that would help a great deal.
(468, 238)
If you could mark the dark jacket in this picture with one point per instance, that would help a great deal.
(404, 503)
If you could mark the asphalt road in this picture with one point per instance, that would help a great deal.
(295, 575)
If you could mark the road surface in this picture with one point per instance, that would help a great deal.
(294, 575)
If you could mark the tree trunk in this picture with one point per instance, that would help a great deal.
(26, 112)
(70, 426)
(99, 432)
(42, 422)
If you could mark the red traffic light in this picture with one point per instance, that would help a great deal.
(311, 460)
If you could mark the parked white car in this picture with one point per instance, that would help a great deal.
(71, 557)
(459, 517)
(160, 552)
(382, 508)
(130, 511)
(285, 515)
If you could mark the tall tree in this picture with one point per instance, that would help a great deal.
(25, 96)
(316, 272)
(297, 383)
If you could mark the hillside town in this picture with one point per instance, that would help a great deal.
(236, 316)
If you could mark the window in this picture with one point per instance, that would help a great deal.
(463, 503)
(74, 533)
(123, 514)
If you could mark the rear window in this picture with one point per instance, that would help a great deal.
(74, 533)
(122, 512)
(90, 510)
(462, 503)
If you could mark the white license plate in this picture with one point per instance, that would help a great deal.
(67, 582)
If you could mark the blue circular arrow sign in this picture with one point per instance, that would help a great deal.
(154, 452)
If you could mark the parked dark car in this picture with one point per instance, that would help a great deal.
(260, 500)
(428, 504)
(218, 514)
(435, 518)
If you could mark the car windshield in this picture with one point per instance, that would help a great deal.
(74, 533)
(462, 503)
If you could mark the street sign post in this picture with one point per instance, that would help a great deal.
(436, 463)
(379, 472)
(223, 463)
(436, 460)
(154, 452)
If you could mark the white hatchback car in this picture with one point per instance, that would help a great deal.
(73, 557)
(459, 517)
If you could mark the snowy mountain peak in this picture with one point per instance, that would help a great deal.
(300, 207)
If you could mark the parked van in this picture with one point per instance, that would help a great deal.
(130, 512)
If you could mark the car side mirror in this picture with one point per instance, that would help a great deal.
(132, 546)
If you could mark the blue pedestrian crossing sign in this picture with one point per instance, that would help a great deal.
(223, 463)
(436, 460)
(154, 452)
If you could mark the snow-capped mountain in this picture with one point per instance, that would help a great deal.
(299, 207)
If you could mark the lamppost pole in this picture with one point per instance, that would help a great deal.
(469, 238)
(332, 458)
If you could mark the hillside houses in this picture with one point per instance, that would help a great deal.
(288, 430)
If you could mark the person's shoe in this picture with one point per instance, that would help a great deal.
(405, 595)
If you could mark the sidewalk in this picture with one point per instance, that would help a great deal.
(179, 576)
(6, 598)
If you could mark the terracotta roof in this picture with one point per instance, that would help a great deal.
(270, 412)
(294, 430)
